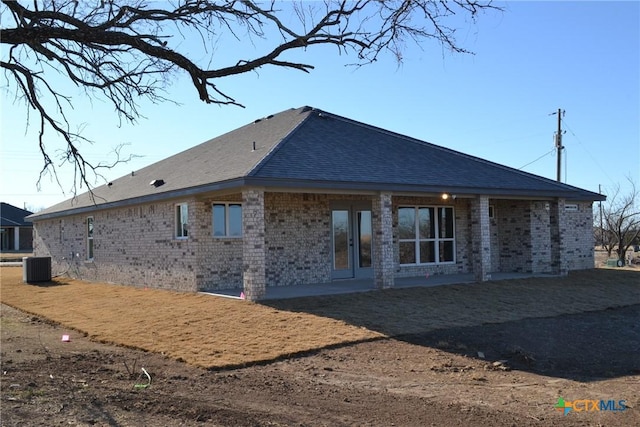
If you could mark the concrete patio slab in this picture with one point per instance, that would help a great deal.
(348, 286)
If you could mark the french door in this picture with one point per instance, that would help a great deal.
(351, 241)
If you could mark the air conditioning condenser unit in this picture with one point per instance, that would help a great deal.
(36, 269)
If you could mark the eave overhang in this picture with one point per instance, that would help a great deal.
(298, 186)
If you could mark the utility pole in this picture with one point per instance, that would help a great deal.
(559, 146)
(601, 224)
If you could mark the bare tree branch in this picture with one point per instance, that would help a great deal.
(127, 50)
(621, 221)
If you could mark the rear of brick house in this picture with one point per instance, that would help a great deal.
(306, 196)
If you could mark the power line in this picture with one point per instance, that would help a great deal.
(566, 164)
(544, 155)
(587, 151)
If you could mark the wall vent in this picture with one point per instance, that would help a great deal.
(36, 269)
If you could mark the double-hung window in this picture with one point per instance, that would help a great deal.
(89, 238)
(182, 221)
(426, 235)
(227, 219)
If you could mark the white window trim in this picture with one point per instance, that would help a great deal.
(436, 240)
(226, 220)
(492, 211)
(178, 217)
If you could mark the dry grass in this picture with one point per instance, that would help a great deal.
(199, 329)
(217, 332)
(408, 311)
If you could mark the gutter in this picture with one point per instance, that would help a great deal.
(283, 185)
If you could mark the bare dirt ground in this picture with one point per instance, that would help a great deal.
(585, 347)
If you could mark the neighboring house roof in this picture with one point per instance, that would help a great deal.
(11, 216)
(309, 148)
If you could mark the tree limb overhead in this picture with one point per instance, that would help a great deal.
(125, 51)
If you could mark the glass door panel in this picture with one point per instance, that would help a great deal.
(341, 241)
(351, 240)
(364, 239)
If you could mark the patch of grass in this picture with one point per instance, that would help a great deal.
(216, 332)
(200, 329)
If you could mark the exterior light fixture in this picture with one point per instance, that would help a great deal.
(445, 196)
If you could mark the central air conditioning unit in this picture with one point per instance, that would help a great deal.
(36, 269)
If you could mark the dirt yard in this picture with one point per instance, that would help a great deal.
(498, 354)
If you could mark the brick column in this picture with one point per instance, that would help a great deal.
(481, 239)
(382, 223)
(253, 247)
(558, 229)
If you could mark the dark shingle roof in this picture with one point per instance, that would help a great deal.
(11, 216)
(310, 148)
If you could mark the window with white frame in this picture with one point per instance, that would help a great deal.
(182, 221)
(227, 219)
(89, 238)
(426, 234)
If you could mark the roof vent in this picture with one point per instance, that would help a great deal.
(269, 116)
(257, 120)
(157, 182)
(254, 146)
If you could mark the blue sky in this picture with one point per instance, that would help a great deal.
(534, 58)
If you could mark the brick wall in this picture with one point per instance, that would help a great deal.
(134, 245)
(579, 240)
(514, 235)
(220, 258)
(298, 238)
(522, 236)
(253, 244)
(494, 236)
(540, 232)
(382, 234)
(481, 238)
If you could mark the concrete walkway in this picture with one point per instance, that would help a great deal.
(365, 285)
(11, 264)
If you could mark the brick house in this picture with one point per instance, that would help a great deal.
(305, 196)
